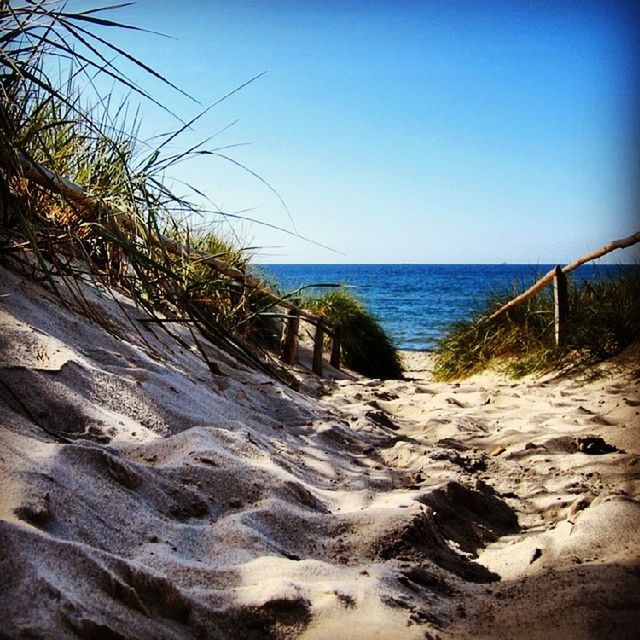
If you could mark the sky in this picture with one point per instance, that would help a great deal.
(405, 132)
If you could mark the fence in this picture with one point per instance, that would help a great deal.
(558, 276)
(289, 343)
(291, 325)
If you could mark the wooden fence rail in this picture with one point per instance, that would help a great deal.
(548, 277)
(83, 198)
(557, 275)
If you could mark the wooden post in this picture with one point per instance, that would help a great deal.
(335, 347)
(290, 337)
(316, 364)
(561, 297)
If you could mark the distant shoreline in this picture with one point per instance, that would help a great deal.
(426, 351)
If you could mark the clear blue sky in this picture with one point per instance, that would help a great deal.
(409, 131)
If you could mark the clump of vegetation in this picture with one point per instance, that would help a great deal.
(126, 226)
(366, 347)
(604, 318)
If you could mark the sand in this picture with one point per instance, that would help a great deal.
(144, 497)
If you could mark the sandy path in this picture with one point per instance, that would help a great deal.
(572, 569)
(144, 497)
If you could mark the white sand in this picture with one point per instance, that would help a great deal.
(144, 497)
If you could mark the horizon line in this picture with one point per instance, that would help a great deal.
(524, 264)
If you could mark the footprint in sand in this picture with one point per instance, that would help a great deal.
(541, 418)
(600, 420)
(423, 389)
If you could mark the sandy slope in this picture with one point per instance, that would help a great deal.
(144, 497)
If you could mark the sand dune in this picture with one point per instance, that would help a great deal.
(144, 497)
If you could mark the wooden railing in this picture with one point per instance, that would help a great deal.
(83, 198)
(294, 313)
(558, 276)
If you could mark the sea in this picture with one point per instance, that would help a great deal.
(416, 303)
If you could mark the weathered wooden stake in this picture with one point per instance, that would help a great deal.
(316, 364)
(335, 347)
(561, 297)
(290, 337)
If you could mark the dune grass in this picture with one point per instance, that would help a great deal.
(79, 135)
(604, 318)
(366, 347)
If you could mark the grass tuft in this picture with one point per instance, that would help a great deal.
(604, 318)
(115, 234)
(366, 347)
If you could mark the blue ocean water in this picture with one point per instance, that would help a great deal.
(416, 302)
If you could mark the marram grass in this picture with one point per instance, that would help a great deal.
(366, 347)
(96, 145)
(604, 318)
(115, 240)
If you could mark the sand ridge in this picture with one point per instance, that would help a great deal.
(144, 497)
